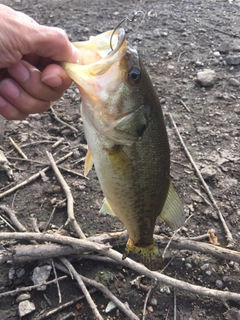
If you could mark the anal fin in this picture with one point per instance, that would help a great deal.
(173, 213)
(106, 208)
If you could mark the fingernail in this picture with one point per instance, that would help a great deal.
(3, 102)
(19, 72)
(52, 80)
(75, 55)
(9, 89)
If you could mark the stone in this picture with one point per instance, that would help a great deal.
(23, 297)
(219, 284)
(208, 172)
(40, 275)
(25, 307)
(233, 82)
(110, 307)
(224, 47)
(232, 60)
(206, 77)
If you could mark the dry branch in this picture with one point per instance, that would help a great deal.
(29, 288)
(129, 263)
(107, 293)
(23, 253)
(70, 211)
(61, 307)
(82, 286)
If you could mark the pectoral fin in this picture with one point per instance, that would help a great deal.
(173, 213)
(106, 208)
(88, 163)
(119, 160)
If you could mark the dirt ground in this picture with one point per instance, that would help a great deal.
(176, 40)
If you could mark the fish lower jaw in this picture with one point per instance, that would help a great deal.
(148, 255)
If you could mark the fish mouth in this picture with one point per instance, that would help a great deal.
(101, 48)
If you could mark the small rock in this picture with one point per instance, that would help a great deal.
(219, 284)
(232, 314)
(206, 77)
(199, 63)
(208, 172)
(188, 265)
(40, 275)
(217, 54)
(21, 273)
(233, 82)
(236, 48)
(165, 289)
(25, 307)
(232, 60)
(110, 307)
(23, 297)
(224, 47)
(150, 309)
(205, 267)
(153, 302)
(11, 273)
(208, 272)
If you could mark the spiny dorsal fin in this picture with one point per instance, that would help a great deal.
(88, 162)
(173, 213)
(106, 208)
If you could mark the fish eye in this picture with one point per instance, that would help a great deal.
(134, 75)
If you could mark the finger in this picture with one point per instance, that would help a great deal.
(32, 81)
(52, 43)
(20, 99)
(9, 112)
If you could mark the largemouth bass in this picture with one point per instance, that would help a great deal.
(127, 140)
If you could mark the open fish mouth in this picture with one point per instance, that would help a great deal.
(101, 47)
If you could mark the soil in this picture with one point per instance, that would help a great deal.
(176, 40)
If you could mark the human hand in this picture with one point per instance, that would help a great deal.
(30, 77)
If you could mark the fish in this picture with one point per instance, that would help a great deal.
(127, 140)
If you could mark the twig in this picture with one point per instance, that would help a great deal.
(185, 106)
(67, 191)
(180, 54)
(153, 282)
(67, 316)
(17, 148)
(57, 283)
(45, 164)
(7, 223)
(83, 288)
(13, 217)
(199, 193)
(33, 177)
(34, 224)
(129, 263)
(57, 143)
(62, 122)
(227, 231)
(52, 213)
(174, 305)
(62, 306)
(29, 288)
(99, 286)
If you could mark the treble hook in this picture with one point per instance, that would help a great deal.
(135, 13)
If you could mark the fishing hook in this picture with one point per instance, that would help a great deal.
(134, 13)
